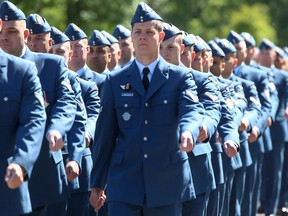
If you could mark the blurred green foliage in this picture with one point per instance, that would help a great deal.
(207, 18)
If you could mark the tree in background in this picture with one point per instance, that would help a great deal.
(207, 18)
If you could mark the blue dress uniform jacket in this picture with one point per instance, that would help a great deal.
(200, 158)
(137, 144)
(279, 130)
(21, 127)
(92, 106)
(76, 135)
(60, 110)
(75, 139)
(93, 76)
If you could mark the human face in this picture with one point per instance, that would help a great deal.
(186, 57)
(230, 64)
(250, 54)
(266, 57)
(62, 49)
(40, 42)
(171, 49)
(115, 56)
(13, 36)
(80, 50)
(146, 41)
(280, 63)
(127, 50)
(217, 66)
(241, 51)
(98, 58)
(209, 61)
(198, 62)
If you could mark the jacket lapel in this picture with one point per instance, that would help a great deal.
(133, 77)
(160, 76)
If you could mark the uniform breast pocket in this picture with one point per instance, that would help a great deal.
(127, 112)
(10, 102)
(165, 109)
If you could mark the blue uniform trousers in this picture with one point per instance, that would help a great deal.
(214, 201)
(196, 207)
(273, 167)
(284, 186)
(258, 183)
(225, 193)
(237, 191)
(57, 209)
(251, 174)
(124, 209)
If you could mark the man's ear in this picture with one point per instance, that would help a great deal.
(26, 35)
(235, 62)
(50, 43)
(161, 36)
(193, 55)
(182, 49)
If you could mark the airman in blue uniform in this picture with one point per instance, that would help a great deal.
(22, 127)
(80, 48)
(256, 145)
(78, 204)
(52, 188)
(223, 165)
(123, 35)
(278, 131)
(39, 38)
(115, 51)
(248, 121)
(200, 158)
(75, 139)
(137, 151)
(99, 55)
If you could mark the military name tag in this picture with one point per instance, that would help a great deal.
(127, 94)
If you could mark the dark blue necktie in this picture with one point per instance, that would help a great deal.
(145, 79)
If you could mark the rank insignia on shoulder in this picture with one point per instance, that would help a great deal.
(254, 100)
(67, 84)
(211, 96)
(272, 86)
(267, 93)
(126, 87)
(191, 95)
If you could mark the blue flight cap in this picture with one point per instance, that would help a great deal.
(57, 36)
(37, 24)
(9, 12)
(144, 13)
(280, 52)
(226, 46)
(120, 32)
(249, 39)
(98, 39)
(199, 45)
(266, 44)
(110, 37)
(188, 40)
(74, 32)
(216, 50)
(170, 31)
(207, 47)
(234, 37)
